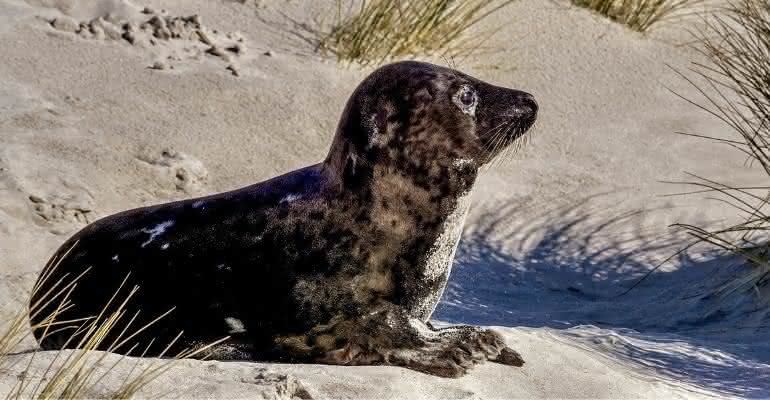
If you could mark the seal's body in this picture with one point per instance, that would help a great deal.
(341, 262)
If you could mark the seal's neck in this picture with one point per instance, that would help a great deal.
(420, 198)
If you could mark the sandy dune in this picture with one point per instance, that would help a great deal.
(98, 115)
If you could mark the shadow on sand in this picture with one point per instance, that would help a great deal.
(567, 269)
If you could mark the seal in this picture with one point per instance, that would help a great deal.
(341, 262)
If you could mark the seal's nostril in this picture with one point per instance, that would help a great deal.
(526, 106)
(530, 102)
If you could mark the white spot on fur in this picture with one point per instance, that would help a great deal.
(164, 247)
(376, 138)
(156, 231)
(198, 204)
(115, 258)
(462, 162)
(224, 267)
(290, 198)
(354, 160)
(442, 253)
(235, 325)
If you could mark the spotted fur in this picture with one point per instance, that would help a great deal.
(339, 262)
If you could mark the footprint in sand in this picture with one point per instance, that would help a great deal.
(70, 204)
(280, 382)
(170, 40)
(177, 170)
(52, 195)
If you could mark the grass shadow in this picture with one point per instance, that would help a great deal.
(567, 269)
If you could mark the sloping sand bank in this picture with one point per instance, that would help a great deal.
(556, 369)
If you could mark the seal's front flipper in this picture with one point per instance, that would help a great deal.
(486, 337)
(390, 337)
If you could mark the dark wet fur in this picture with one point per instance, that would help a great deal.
(323, 264)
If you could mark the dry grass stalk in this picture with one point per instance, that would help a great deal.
(76, 375)
(386, 29)
(638, 15)
(737, 91)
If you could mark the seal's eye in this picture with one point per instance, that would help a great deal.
(467, 98)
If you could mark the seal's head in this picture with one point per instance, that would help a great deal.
(425, 121)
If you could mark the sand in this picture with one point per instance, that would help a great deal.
(107, 105)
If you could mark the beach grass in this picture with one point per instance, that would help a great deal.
(735, 88)
(76, 373)
(379, 30)
(638, 15)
